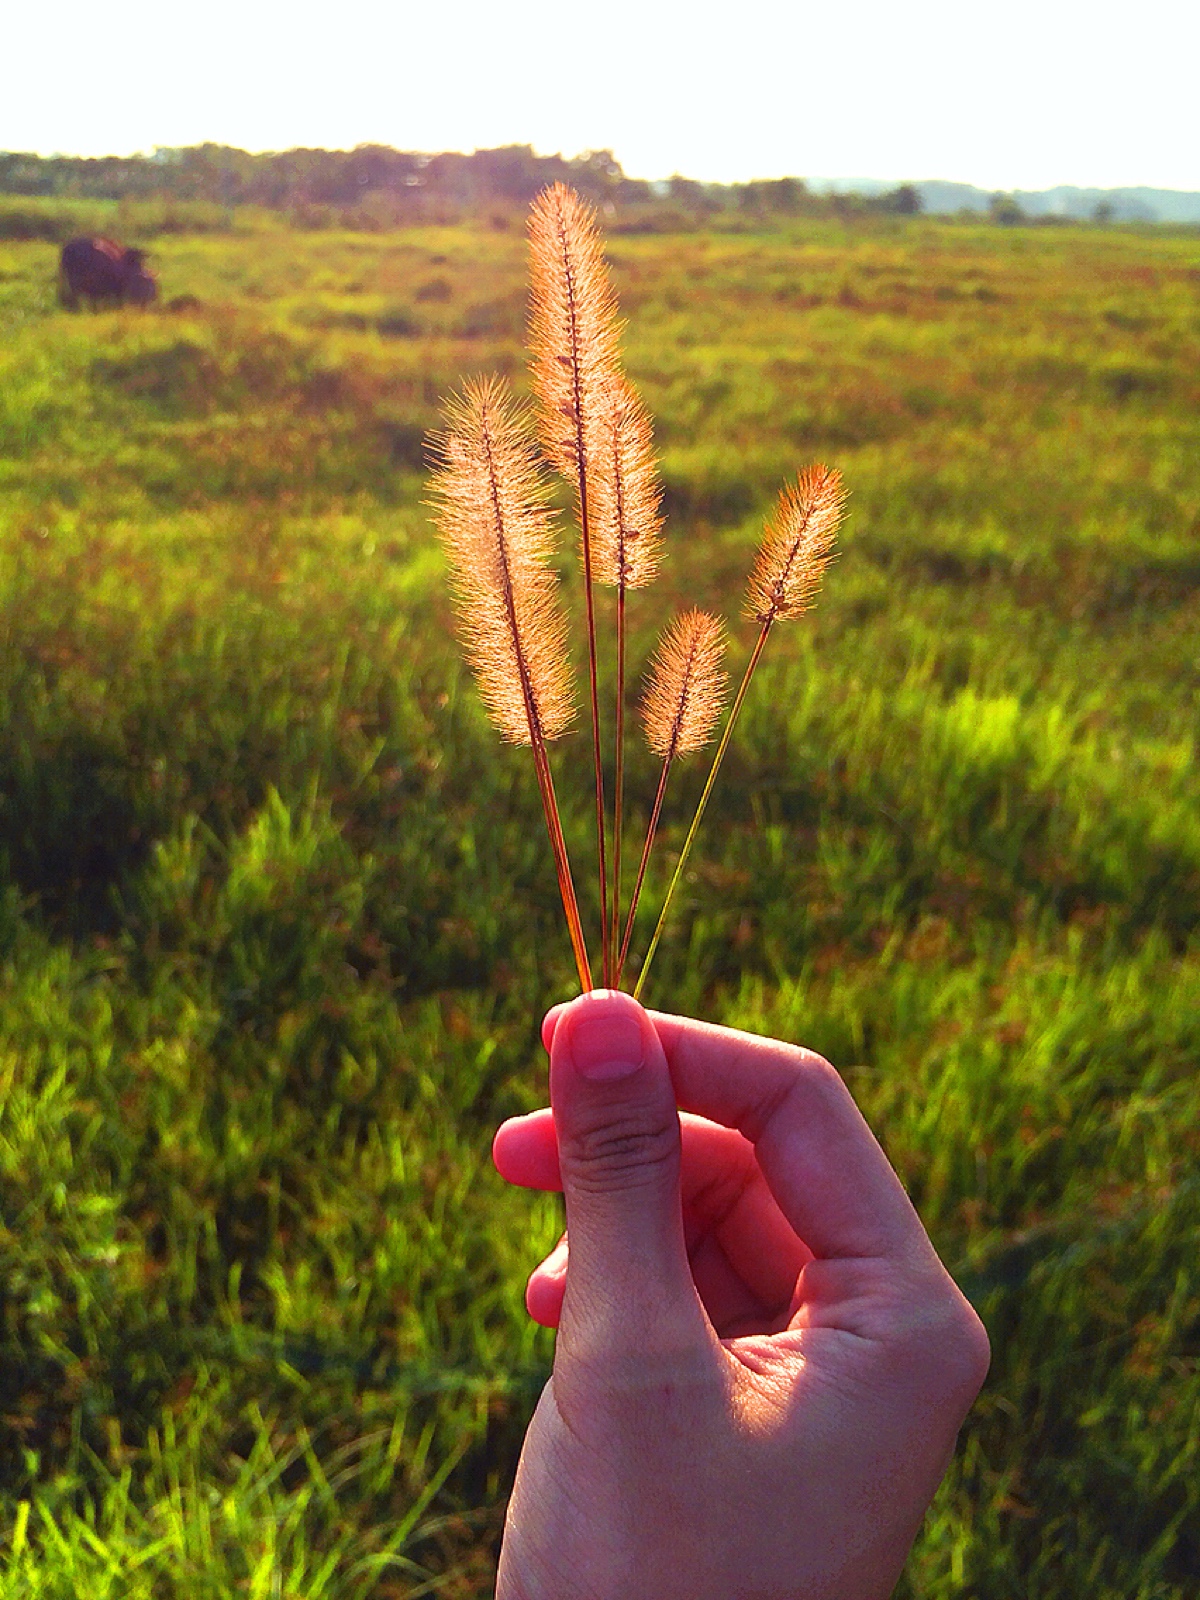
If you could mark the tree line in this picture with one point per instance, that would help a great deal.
(396, 183)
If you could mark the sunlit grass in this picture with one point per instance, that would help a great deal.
(277, 927)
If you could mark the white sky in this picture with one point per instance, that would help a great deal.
(1021, 94)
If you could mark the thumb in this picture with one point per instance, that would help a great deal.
(629, 1283)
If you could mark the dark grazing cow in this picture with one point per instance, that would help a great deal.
(101, 272)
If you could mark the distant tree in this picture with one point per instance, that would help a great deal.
(789, 195)
(771, 196)
(1103, 213)
(24, 174)
(596, 173)
(698, 198)
(686, 190)
(1004, 209)
(633, 192)
(902, 202)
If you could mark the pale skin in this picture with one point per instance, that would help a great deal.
(761, 1365)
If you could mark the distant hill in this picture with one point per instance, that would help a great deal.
(1138, 204)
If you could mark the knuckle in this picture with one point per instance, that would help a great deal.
(814, 1074)
(971, 1349)
(627, 1149)
(810, 1076)
(821, 1074)
(948, 1345)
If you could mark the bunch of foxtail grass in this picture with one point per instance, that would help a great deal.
(492, 504)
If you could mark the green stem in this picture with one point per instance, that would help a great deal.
(708, 787)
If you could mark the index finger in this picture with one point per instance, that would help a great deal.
(822, 1163)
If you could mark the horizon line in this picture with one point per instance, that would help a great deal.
(829, 179)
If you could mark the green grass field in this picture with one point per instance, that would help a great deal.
(278, 923)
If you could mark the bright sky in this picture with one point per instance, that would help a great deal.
(1001, 93)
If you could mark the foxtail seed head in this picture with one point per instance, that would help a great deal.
(498, 533)
(626, 524)
(573, 329)
(686, 687)
(797, 546)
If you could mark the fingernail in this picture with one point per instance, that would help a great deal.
(606, 1047)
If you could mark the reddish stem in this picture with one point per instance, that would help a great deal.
(641, 872)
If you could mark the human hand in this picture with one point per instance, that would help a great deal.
(761, 1363)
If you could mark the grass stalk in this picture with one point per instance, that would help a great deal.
(566, 883)
(497, 533)
(618, 792)
(651, 831)
(730, 724)
(541, 758)
(575, 342)
(594, 690)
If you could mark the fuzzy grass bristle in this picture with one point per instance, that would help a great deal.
(498, 532)
(686, 686)
(573, 341)
(490, 502)
(573, 327)
(626, 552)
(797, 546)
(685, 692)
(626, 522)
